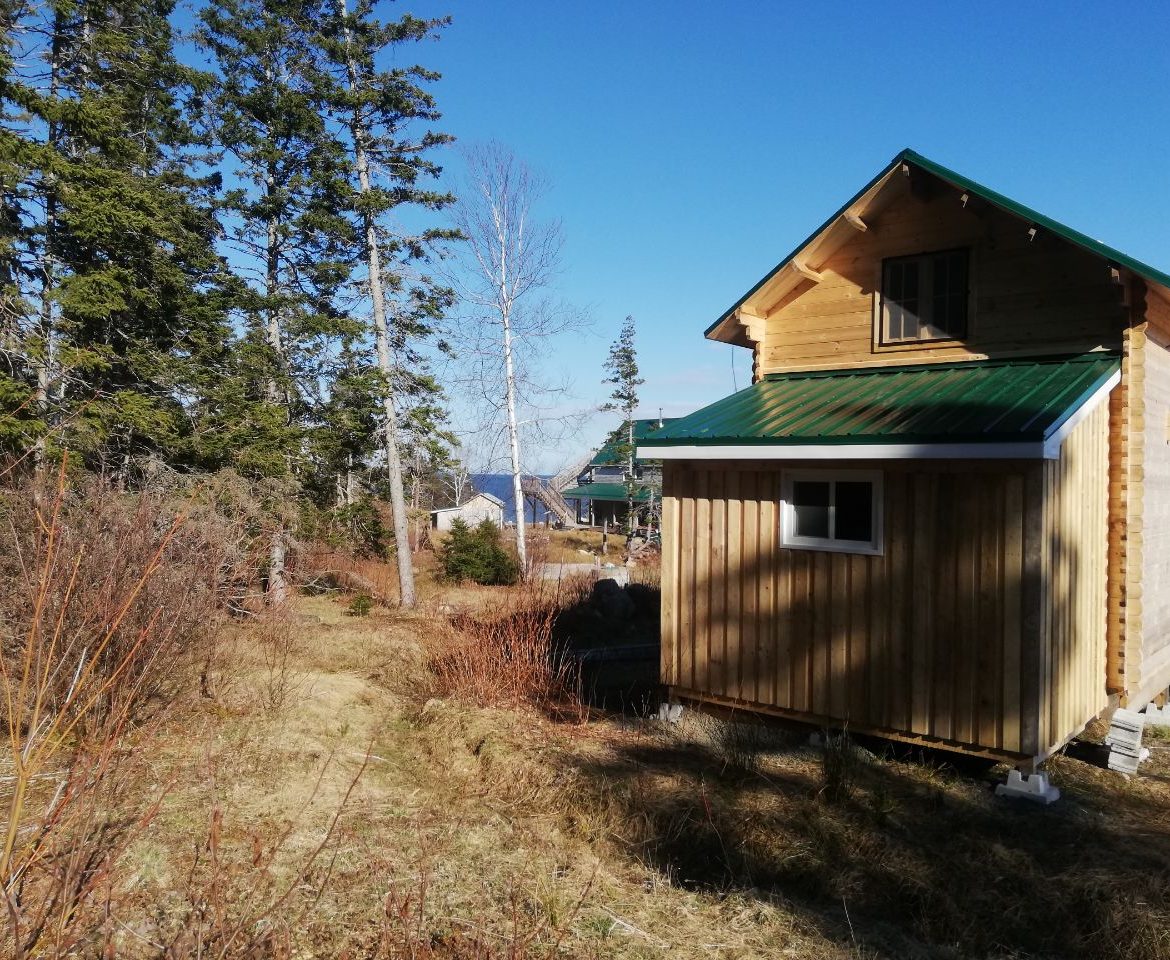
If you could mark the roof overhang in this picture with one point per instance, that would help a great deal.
(1075, 393)
(862, 451)
(743, 323)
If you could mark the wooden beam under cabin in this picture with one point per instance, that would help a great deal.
(752, 324)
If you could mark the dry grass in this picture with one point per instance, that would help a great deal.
(382, 808)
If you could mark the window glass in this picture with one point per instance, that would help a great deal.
(925, 297)
(832, 510)
(810, 508)
(854, 511)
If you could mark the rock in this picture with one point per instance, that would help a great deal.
(613, 601)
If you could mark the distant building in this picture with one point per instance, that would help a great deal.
(482, 506)
(601, 494)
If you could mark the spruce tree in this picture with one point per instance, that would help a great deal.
(622, 367)
(107, 259)
(284, 212)
(382, 116)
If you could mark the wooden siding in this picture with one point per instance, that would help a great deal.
(1028, 296)
(953, 634)
(1147, 666)
(1076, 517)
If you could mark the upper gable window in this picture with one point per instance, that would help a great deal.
(924, 297)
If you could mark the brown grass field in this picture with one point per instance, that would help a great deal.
(340, 790)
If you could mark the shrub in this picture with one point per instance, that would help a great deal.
(361, 605)
(839, 766)
(477, 556)
(510, 657)
(108, 612)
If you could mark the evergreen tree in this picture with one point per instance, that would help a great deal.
(377, 113)
(476, 555)
(622, 367)
(285, 217)
(106, 258)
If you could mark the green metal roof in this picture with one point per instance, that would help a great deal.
(604, 491)
(608, 454)
(1108, 253)
(980, 401)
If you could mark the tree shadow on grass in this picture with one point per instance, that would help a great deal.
(924, 859)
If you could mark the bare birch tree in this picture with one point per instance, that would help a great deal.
(510, 257)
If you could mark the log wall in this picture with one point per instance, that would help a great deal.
(1146, 662)
(1028, 296)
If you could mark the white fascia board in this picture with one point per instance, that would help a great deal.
(854, 451)
(1052, 443)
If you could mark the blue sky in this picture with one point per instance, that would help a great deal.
(692, 145)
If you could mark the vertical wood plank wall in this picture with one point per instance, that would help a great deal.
(948, 635)
(1076, 518)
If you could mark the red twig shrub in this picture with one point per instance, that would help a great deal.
(108, 605)
(507, 656)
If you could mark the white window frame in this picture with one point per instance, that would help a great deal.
(874, 547)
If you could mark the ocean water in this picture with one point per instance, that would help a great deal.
(500, 485)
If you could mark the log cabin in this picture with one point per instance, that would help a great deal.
(941, 512)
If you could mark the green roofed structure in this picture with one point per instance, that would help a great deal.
(601, 492)
(979, 409)
(940, 512)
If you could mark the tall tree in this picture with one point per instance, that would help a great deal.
(284, 213)
(511, 257)
(382, 117)
(107, 255)
(622, 367)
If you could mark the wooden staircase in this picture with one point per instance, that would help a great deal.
(550, 493)
(568, 476)
(551, 497)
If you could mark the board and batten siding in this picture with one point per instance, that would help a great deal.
(982, 625)
(1074, 675)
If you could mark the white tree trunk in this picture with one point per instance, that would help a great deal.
(382, 338)
(278, 547)
(48, 325)
(277, 581)
(514, 444)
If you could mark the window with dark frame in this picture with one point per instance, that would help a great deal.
(832, 510)
(924, 297)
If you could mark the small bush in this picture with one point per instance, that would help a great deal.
(510, 657)
(361, 605)
(477, 556)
